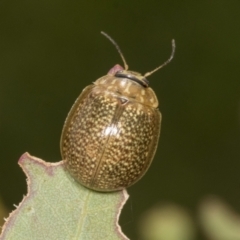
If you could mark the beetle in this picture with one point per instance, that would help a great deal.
(111, 133)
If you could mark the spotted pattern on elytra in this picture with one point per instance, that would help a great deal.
(84, 139)
(128, 152)
(111, 134)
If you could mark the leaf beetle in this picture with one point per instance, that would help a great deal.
(111, 133)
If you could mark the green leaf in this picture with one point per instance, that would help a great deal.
(57, 207)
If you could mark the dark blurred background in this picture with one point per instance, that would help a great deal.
(51, 50)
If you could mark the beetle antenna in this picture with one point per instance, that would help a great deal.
(117, 47)
(164, 64)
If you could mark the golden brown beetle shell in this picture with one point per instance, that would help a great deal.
(111, 133)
